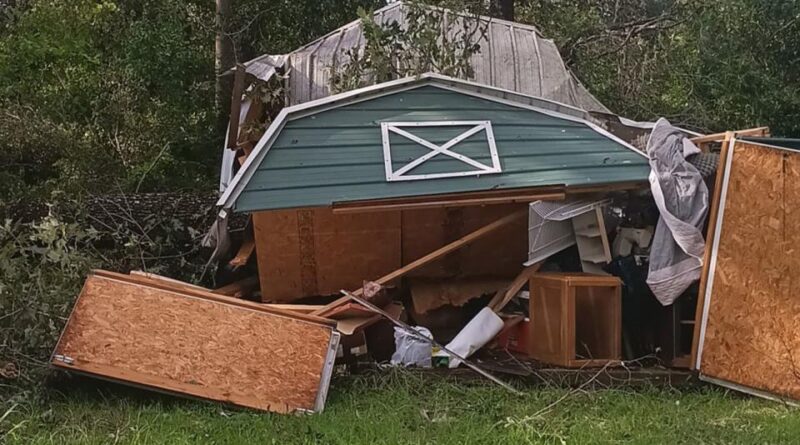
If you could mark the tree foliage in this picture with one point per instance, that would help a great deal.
(119, 94)
(713, 65)
(393, 51)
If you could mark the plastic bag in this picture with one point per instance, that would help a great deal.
(411, 350)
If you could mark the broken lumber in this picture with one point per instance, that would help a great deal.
(238, 289)
(236, 105)
(433, 342)
(190, 291)
(433, 256)
(247, 247)
(719, 137)
(502, 297)
(716, 200)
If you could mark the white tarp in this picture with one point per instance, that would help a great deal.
(676, 255)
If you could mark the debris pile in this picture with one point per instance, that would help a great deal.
(433, 222)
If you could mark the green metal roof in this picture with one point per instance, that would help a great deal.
(333, 150)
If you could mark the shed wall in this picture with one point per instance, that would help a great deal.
(752, 336)
(311, 252)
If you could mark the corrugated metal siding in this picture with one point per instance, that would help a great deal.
(337, 155)
(513, 56)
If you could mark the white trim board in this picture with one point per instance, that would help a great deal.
(714, 248)
(401, 174)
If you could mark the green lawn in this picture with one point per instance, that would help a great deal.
(402, 407)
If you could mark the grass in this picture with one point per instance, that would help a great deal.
(401, 407)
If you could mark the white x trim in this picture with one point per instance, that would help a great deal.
(444, 149)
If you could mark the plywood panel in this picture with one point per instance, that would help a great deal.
(751, 332)
(354, 248)
(310, 252)
(499, 254)
(278, 255)
(183, 343)
(547, 325)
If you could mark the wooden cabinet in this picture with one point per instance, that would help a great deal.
(576, 319)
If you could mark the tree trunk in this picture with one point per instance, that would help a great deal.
(502, 9)
(223, 61)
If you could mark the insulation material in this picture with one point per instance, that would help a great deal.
(178, 341)
(432, 294)
(750, 337)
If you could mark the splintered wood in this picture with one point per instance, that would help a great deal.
(752, 337)
(184, 343)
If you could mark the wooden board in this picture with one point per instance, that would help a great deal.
(499, 254)
(169, 340)
(710, 234)
(428, 294)
(310, 252)
(750, 338)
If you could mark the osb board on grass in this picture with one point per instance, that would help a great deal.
(752, 323)
(182, 343)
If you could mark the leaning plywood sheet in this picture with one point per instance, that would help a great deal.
(213, 348)
(750, 339)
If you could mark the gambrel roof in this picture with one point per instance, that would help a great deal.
(425, 136)
(512, 56)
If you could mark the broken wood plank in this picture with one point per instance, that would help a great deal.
(719, 137)
(710, 233)
(352, 325)
(347, 310)
(486, 194)
(502, 297)
(433, 342)
(162, 338)
(167, 280)
(238, 289)
(236, 106)
(302, 308)
(188, 290)
(435, 255)
(247, 247)
(513, 199)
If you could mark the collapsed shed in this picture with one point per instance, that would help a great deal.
(450, 190)
(356, 185)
